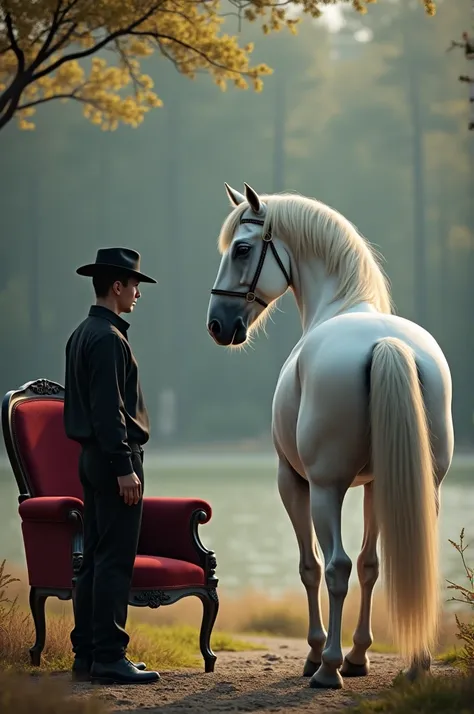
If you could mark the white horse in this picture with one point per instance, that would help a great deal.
(364, 398)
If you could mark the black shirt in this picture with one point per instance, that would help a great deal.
(103, 398)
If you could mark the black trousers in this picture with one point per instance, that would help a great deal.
(111, 531)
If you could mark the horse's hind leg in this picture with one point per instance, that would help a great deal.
(356, 663)
(327, 490)
(294, 492)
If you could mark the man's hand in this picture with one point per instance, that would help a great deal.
(130, 488)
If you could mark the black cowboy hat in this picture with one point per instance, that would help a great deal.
(123, 259)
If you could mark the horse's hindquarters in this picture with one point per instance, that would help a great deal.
(285, 412)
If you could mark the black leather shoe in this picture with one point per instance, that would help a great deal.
(139, 665)
(81, 668)
(121, 671)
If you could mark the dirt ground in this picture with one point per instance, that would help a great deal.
(268, 681)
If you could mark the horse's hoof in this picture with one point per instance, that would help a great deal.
(326, 680)
(310, 668)
(349, 669)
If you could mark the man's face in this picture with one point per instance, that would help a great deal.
(127, 295)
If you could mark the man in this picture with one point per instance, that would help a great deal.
(104, 411)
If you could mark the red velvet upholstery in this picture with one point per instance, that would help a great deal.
(49, 457)
(49, 509)
(166, 527)
(48, 553)
(47, 535)
(152, 571)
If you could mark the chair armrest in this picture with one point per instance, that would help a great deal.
(170, 529)
(49, 509)
(53, 538)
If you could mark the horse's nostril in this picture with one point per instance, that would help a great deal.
(214, 327)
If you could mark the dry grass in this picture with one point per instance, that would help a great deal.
(176, 646)
(434, 695)
(464, 595)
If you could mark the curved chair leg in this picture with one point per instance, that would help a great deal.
(210, 610)
(37, 605)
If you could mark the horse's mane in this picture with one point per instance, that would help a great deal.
(311, 228)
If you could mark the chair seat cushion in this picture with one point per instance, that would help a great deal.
(153, 571)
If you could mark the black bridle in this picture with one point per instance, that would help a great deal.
(250, 295)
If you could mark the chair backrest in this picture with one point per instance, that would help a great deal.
(44, 461)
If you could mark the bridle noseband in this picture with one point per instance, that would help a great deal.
(267, 240)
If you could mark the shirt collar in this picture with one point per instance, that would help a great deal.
(106, 314)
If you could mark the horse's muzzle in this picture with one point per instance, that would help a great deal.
(233, 333)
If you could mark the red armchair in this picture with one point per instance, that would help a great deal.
(171, 561)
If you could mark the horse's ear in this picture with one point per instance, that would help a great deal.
(235, 197)
(252, 198)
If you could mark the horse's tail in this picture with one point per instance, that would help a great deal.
(404, 496)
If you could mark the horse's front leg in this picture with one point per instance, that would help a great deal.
(328, 486)
(294, 492)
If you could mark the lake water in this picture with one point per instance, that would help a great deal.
(250, 531)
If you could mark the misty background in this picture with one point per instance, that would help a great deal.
(364, 113)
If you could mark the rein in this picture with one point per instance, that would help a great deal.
(250, 295)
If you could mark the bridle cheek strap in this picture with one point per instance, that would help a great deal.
(250, 295)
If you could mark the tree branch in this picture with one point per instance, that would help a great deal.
(71, 30)
(58, 20)
(60, 43)
(49, 37)
(14, 45)
(64, 95)
(98, 46)
(11, 103)
(126, 61)
(45, 30)
(159, 37)
(454, 44)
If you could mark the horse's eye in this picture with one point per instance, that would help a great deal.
(242, 250)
